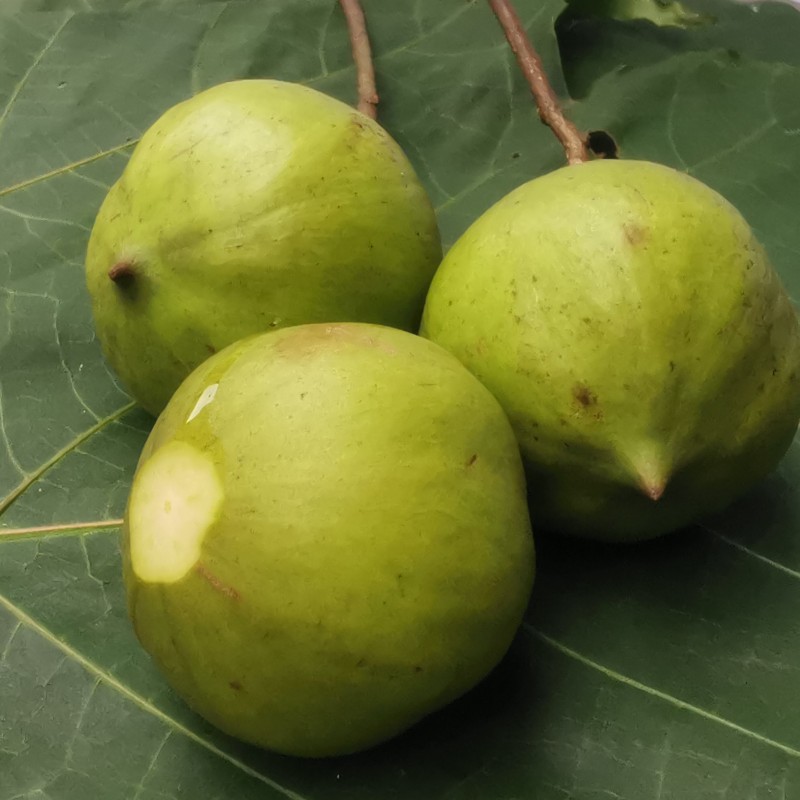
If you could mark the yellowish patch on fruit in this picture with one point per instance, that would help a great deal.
(174, 502)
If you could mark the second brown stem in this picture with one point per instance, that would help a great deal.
(546, 100)
(362, 55)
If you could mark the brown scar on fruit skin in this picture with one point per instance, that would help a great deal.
(635, 234)
(216, 583)
(584, 395)
(236, 686)
(472, 460)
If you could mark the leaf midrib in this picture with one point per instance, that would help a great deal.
(65, 529)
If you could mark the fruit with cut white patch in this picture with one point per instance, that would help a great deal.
(327, 537)
(253, 205)
(174, 502)
(632, 327)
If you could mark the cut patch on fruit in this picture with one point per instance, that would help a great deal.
(172, 506)
(208, 395)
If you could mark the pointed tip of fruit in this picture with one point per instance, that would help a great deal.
(653, 489)
(651, 476)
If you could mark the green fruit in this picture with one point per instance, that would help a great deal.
(254, 205)
(633, 329)
(327, 537)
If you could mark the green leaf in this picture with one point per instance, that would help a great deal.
(669, 670)
(660, 12)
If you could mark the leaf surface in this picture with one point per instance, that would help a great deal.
(666, 671)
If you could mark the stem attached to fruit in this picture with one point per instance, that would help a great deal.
(531, 65)
(362, 55)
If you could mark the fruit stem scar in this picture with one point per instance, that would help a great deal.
(122, 272)
(550, 112)
(362, 55)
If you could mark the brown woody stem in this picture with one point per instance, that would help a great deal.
(362, 55)
(531, 65)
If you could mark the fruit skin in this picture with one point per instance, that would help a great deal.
(372, 557)
(633, 329)
(255, 204)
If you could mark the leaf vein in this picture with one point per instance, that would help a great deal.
(657, 693)
(67, 168)
(104, 677)
(32, 477)
(27, 74)
(4, 433)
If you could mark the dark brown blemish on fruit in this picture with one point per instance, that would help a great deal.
(472, 459)
(211, 349)
(584, 395)
(236, 686)
(635, 234)
(216, 583)
(123, 273)
(358, 121)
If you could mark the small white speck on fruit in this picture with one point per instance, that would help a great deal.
(175, 499)
(205, 398)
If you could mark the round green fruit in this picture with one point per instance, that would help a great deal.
(254, 205)
(633, 329)
(327, 537)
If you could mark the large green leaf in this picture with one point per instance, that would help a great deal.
(669, 670)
